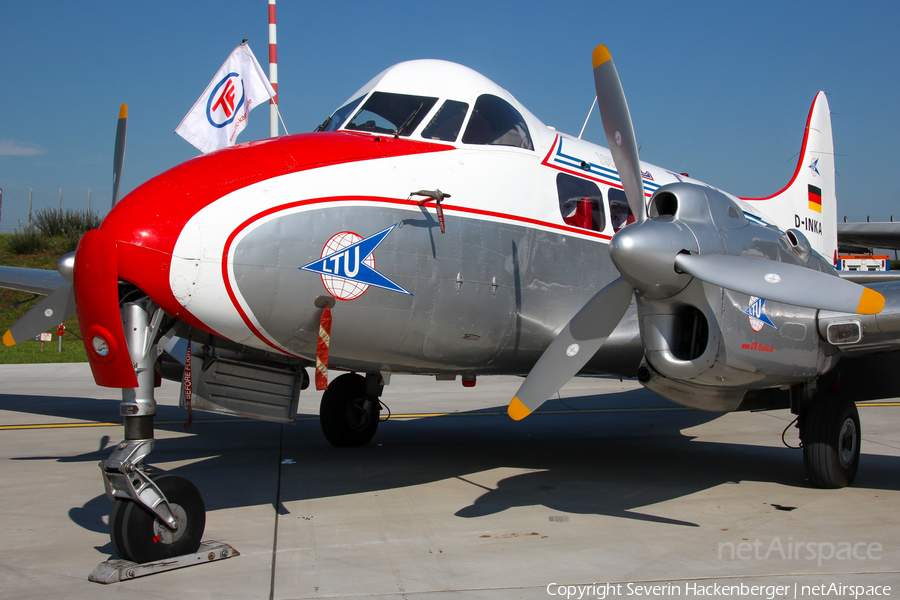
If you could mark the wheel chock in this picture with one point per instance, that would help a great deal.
(113, 571)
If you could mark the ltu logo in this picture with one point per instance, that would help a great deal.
(757, 313)
(347, 265)
(224, 101)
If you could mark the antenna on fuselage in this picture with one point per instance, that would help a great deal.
(588, 117)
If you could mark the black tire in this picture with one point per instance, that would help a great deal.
(146, 539)
(116, 530)
(348, 415)
(831, 441)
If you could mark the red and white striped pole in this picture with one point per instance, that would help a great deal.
(273, 72)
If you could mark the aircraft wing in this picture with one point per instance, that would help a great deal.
(867, 277)
(34, 281)
(869, 235)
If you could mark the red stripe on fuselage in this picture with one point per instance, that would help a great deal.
(147, 222)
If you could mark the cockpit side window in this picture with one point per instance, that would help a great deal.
(333, 122)
(495, 122)
(619, 211)
(580, 203)
(447, 122)
(396, 114)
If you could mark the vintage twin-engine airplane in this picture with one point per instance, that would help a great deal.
(448, 232)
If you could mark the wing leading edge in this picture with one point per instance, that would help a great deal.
(33, 281)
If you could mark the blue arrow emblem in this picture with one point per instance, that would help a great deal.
(757, 310)
(814, 167)
(348, 263)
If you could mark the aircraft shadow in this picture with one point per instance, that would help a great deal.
(618, 464)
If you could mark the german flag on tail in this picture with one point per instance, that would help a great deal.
(815, 198)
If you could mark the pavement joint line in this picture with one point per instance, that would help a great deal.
(400, 416)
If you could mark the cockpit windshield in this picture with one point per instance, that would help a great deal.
(447, 122)
(333, 122)
(395, 114)
(495, 122)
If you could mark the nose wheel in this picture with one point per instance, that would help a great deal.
(154, 517)
(140, 536)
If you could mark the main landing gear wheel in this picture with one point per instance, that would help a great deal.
(139, 536)
(831, 439)
(348, 414)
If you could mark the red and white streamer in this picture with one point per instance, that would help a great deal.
(322, 349)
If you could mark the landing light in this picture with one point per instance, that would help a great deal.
(100, 345)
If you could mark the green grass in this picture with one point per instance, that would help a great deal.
(30, 351)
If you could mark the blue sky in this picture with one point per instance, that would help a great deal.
(720, 90)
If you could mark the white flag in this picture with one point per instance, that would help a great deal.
(222, 111)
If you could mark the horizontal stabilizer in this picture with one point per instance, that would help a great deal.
(883, 236)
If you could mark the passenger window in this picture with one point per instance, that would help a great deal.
(447, 122)
(396, 114)
(580, 202)
(619, 210)
(495, 122)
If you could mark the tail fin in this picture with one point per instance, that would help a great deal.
(808, 203)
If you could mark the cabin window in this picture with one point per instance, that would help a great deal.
(580, 202)
(495, 122)
(447, 122)
(619, 210)
(395, 114)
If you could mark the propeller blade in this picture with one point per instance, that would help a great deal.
(781, 282)
(119, 152)
(46, 314)
(619, 130)
(578, 341)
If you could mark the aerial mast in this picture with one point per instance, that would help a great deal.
(273, 72)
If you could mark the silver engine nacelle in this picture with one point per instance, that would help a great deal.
(712, 348)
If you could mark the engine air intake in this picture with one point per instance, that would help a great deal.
(665, 204)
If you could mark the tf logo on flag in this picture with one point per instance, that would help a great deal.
(221, 112)
(221, 107)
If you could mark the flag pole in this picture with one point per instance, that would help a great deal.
(273, 72)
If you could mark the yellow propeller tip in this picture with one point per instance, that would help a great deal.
(123, 112)
(8, 339)
(601, 55)
(517, 411)
(870, 303)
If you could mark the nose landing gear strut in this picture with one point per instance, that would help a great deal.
(156, 517)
